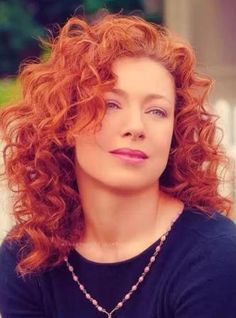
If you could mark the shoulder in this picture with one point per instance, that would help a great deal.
(203, 243)
(9, 258)
(21, 292)
(207, 227)
(204, 262)
(9, 253)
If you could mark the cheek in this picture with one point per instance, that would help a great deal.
(84, 146)
(89, 148)
(104, 138)
(162, 143)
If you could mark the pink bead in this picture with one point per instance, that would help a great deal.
(152, 259)
(70, 268)
(146, 269)
(134, 287)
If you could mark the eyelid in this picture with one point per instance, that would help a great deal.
(111, 101)
(162, 110)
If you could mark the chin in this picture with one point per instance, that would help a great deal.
(128, 185)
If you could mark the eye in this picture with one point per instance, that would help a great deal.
(158, 112)
(112, 104)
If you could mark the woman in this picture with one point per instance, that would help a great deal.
(114, 162)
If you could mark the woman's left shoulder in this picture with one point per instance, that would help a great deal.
(213, 233)
(209, 226)
(205, 267)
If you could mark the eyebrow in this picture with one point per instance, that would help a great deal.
(147, 98)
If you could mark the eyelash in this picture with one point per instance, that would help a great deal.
(162, 113)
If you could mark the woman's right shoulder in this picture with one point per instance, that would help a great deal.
(21, 292)
(10, 250)
(10, 254)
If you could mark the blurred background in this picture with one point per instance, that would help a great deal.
(209, 25)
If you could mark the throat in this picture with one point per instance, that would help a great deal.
(116, 252)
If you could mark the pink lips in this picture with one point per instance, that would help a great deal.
(132, 153)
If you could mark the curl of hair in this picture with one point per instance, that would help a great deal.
(63, 95)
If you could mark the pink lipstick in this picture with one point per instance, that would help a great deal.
(129, 155)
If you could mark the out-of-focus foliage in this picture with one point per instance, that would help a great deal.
(9, 91)
(92, 6)
(127, 6)
(18, 32)
(48, 12)
(22, 22)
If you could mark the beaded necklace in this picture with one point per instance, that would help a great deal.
(147, 268)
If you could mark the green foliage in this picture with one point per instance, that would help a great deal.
(91, 6)
(9, 91)
(126, 5)
(18, 32)
(22, 22)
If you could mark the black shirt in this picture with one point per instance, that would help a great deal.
(194, 276)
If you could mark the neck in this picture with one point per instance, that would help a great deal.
(114, 220)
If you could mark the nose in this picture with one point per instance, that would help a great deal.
(133, 125)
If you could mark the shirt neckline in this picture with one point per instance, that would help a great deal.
(76, 254)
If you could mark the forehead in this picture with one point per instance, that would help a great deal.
(142, 76)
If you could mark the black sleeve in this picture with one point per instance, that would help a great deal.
(208, 288)
(19, 298)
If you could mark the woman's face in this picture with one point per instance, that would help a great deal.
(140, 116)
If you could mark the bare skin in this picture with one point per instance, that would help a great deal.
(123, 208)
(116, 234)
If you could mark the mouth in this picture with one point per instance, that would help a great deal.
(129, 159)
(131, 153)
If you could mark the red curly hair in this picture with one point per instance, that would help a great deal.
(63, 95)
